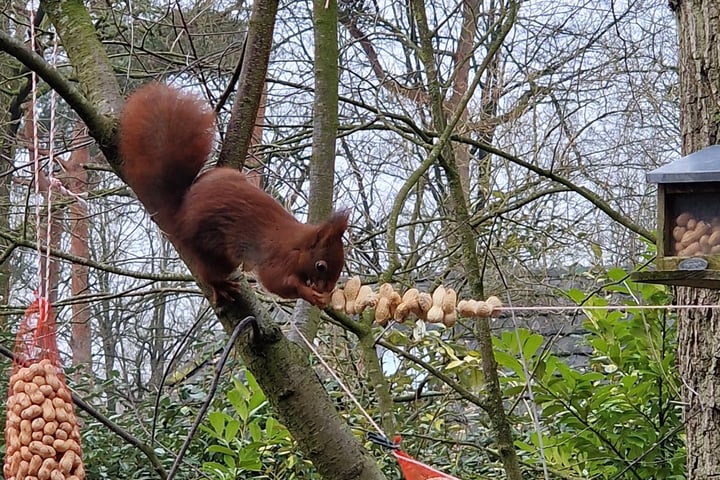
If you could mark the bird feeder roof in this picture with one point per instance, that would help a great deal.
(701, 166)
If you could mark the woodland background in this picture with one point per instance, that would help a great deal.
(494, 146)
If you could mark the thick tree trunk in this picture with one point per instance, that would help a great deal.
(699, 330)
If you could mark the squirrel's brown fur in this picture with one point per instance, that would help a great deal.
(219, 220)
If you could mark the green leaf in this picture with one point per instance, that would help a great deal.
(229, 460)
(255, 431)
(231, 430)
(270, 426)
(251, 381)
(628, 381)
(506, 360)
(568, 375)
(239, 404)
(552, 409)
(531, 345)
(237, 400)
(475, 379)
(241, 388)
(514, 390)
(250, 459)
(217, 420)
(214, 467)
(220, 449)
(257, 400)
(454, 364)
(616, 274)
(576, 295)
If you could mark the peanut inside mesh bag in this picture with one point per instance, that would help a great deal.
(42, 435)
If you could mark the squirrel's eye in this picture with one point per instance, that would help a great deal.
(321, 266)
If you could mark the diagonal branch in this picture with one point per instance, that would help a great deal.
(100, 126)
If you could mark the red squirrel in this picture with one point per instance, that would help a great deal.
(219, 219)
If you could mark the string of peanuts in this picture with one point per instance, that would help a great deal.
(439, 307)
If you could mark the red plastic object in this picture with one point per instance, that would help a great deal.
(414, 470)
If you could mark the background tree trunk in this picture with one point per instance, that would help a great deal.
(76, 180)
(699, 329)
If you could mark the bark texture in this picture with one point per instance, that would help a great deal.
(699, 330)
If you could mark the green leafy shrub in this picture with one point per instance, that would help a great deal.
(246, 441)
(621, 417)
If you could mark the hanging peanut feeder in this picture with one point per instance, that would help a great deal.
(688, 221)
(42, 435)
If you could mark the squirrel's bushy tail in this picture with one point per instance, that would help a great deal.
(165, 139)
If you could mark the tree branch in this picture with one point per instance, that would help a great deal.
(462, 391)
(252, 80)
(101, 127)
(19, 242)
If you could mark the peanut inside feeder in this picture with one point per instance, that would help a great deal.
(42, 435)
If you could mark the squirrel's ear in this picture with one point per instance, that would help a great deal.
(338, 222)
(335, 226)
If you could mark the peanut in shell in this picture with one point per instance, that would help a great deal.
(41, 427)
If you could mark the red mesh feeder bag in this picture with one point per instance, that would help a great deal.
(414, 470)
(42, 435)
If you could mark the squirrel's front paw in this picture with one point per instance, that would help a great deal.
(318, 299)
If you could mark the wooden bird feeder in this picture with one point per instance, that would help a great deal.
(688, 221)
